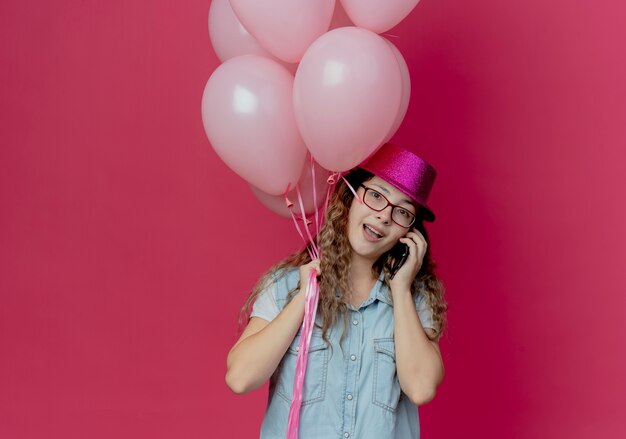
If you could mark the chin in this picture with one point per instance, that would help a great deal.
(367, 250)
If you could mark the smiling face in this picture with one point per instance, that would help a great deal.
(372, 233)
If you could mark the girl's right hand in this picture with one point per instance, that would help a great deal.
(305, 271)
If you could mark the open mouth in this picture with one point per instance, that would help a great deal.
(372, 234)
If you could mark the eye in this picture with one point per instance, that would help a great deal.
(405, 213)
(375, 194)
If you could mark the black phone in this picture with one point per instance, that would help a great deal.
(400, 252)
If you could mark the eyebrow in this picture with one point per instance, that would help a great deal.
(406, 200)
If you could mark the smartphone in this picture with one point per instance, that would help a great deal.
(400, 253)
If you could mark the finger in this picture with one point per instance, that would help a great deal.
(416, 236)
(419, 240)
(415, 249)
(316, 265)
(414, 253)
(412, 245)
(410, 239)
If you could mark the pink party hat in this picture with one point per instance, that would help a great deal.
(406, 171)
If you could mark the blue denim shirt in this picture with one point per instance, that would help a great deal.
(351, 390)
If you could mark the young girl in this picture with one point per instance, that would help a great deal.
(374, 353)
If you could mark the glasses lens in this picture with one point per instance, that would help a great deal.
(374, 200)
(377, 201)
(402, 216)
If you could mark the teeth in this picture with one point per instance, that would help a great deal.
(373, 231)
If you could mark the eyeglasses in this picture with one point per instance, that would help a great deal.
(378, 202)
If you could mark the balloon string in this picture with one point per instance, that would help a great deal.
(310, 310)
(352, 189)
(311, 240)
(317, 221)
(310, 303)
(331, 181)
(295, 221)
(287, 200)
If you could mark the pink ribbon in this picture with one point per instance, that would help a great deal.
(310, 310)
(311, 293)
(311, 296)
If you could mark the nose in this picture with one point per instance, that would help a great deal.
(385, 214)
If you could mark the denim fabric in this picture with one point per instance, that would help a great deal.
(351, 389)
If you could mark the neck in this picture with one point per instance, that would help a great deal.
(361, 269)
(361, 278)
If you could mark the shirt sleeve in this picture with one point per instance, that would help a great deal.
(425, 312)
(265, 305)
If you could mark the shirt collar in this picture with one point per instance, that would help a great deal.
(379, 291)
(382, 292)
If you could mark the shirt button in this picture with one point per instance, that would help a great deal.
(349, 397)
(355, 322)
(346, 434)
(353, 357)
(297, 348)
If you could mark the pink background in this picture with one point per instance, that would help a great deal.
(127, 247)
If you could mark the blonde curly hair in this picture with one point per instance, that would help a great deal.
(336, 260)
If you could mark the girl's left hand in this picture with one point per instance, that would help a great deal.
(406, 274)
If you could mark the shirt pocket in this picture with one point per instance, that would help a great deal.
(386, 387)
(314, 387)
